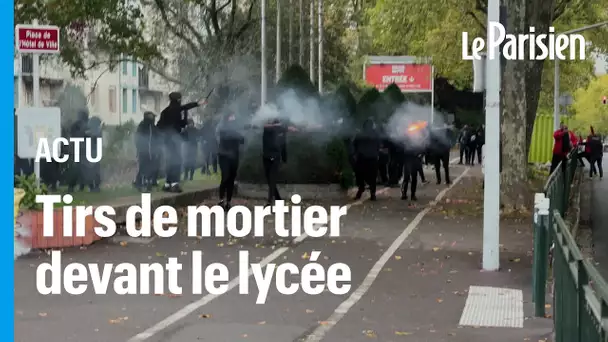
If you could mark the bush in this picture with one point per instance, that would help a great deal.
(312, 157)
(28, 184)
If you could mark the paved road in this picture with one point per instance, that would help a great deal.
(599, 217)
(407, 285)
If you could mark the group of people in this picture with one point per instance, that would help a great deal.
(76, 175)
(401, 154)
(590, 149)
(471, 141)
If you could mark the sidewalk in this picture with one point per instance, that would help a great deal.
(412, 272)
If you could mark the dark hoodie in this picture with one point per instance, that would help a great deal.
(174, 118)
(274, 140)
(594, 142)
(229, 139)
(146, 136)
(367, 143)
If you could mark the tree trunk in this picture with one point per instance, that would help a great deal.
(539, 15)
(513, 118)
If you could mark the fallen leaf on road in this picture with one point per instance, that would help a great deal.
(159, 254)
(42, 314)
(435, 249)
(470, 253)
(309, 311)
(244, 335)
(403, 333)
(123, 243)
(305, 256)
(220, 244)
(439, 300)
(204, 316)
(516, 260)
(118, 320)
(369, 333)
(388, 269)
(262, 323)
(547, 306)
(397, 257)
(323, 322)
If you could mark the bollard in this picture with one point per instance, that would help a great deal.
(539, 276)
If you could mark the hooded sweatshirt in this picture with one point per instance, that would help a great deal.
(367, 143)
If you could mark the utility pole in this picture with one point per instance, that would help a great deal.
(312, 41)
(263, 53)
(278, 52)
(320, 58)
(290, 32)
(491, 202)
(301, 36)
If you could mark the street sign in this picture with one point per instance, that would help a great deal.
(37, 39)
(33, 124)
(409, 77)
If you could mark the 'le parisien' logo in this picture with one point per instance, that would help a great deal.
(550, 46)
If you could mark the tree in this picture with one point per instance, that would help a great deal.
(588, 107)
(93, 32)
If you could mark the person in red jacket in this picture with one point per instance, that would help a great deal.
(565, 141)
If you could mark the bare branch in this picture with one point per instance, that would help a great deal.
(163, 14)
(479, 22)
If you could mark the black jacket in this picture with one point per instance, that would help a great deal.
(174, 118)
(146, 138)
(274, 141)
(367, 143)
(596, 149)
(229, 140)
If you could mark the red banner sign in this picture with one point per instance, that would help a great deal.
(37, 39)
(409, 77)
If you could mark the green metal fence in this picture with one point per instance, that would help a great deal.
(580, 294)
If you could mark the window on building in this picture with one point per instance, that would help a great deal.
(134, 102)
(157, 104)
(124, 67)
(112, 99)
(124, 100)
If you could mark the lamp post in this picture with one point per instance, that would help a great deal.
(556, 116)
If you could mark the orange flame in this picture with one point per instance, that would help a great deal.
(416, 126)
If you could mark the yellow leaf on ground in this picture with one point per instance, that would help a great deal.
(204, 316)
(439, 300)
(435, 249)
(403, 333)
(42, 314)
(123, 243)
(397, 257)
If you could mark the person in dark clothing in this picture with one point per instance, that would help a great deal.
(209, 148)
(367, 146)
(173, 120)
(421, 169)
(415, 142)
(273, 152)
(146, 140)
(471, 147)
(395, 171)
(564, 141)
(463, 138)
(596, 154)
(76, 172)
(481, 140)
(439, 152)
(230, 140)
(190, 150)
(383, 161)
(93, 169)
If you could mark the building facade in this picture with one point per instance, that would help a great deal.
(115, 96)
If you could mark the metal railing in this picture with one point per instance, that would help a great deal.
(580, 294)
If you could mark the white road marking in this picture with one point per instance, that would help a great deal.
(319, 333)
(190, 308)
(493, 307)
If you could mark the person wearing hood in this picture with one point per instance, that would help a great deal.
(75, 173)
(190, 149)
(596, 154)
(93, 170)
(146, 139)
(463, 139)
(173, 120)
(439, 152)
(415, 142)
(209, 147)
(366, 145)
(229, 139)
(274, 151)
